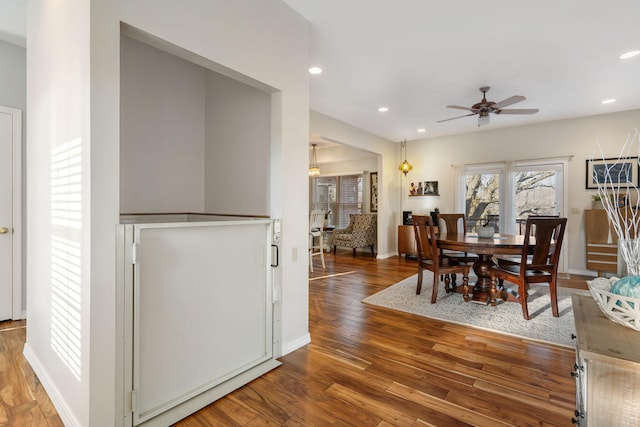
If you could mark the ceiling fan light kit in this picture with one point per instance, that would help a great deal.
(483, 108)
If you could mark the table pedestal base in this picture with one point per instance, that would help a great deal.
(481, 290)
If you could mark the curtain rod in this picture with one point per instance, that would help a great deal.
(569, 158)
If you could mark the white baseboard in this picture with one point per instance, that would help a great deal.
(582, 272)
(296, 344)
(52, 391)
(387, 255)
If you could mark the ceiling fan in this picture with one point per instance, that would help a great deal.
(484, 107)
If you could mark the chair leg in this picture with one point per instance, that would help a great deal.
(354, 252)
(522, 290)
(493, 292)
(554, 298)
(447, 283)
(419, 287)
(434, 291)
(321, 238)
(310, 260)
(465, 287)
(334, 249)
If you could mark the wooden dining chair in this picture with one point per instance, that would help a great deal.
(538, 264)
(430, 258)
(455, 223)
(515, 259)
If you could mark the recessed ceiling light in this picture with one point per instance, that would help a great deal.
(630, 54)
(383, 109)
(315, 70)
(609, 101)
(422, 130)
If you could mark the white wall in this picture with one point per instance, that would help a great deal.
(238, 148)
(432, 160)
(13, 93)
(389, 212)
(58, 251)
(73, 80)
(162, 131)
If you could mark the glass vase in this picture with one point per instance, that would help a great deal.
(630, 252)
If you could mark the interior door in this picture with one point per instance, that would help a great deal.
(6, 213)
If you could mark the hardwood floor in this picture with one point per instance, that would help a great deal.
(365, 366)
(369, 366)
(23, 401)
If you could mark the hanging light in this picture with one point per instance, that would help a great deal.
(314, 170)
(405, 166)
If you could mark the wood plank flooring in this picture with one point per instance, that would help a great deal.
(366, 366)
(23, 401)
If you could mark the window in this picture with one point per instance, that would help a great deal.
(482, 194)
(538, 190)
(505, 194)
(342, 195)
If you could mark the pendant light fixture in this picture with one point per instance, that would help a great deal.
(405, 167)
(314, 170)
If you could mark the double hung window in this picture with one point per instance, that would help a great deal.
(340, 195)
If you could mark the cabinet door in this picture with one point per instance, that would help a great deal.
(406, 240)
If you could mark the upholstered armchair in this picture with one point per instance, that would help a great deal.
(360, 232)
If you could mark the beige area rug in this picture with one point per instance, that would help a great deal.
(505, 317)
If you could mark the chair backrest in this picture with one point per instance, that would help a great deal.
(316, 220)
(548, 233)
(425, 237)
(533, 229)
(452, 223)
(364, 222)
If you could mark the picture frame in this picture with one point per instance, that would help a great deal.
(373, 186)
(623, 171)
(431, 188)
(424, 188)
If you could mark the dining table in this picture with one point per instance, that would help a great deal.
(485, 248)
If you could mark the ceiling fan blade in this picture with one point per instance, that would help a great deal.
(459, 107)
(518, 111)
(508, 101)
(459, 117)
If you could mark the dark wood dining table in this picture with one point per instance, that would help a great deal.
(485, 248)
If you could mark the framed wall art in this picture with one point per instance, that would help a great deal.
(373, 181)
(623, 172)
(424, 188)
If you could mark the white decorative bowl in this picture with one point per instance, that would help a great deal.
(620, 309)
(486, 232)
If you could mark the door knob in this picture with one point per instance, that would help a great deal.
(4, 230)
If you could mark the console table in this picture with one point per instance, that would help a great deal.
(607, 368)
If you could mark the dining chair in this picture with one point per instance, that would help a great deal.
(538, 262)
(515, 259)
(455, 223)
(430, 258)
(316, 237)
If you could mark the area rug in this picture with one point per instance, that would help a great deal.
(505, 317)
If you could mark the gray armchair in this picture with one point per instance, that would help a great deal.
(360, 232)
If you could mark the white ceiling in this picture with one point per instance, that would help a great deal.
(418, 56)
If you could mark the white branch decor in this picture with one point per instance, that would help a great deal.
(625, 220)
